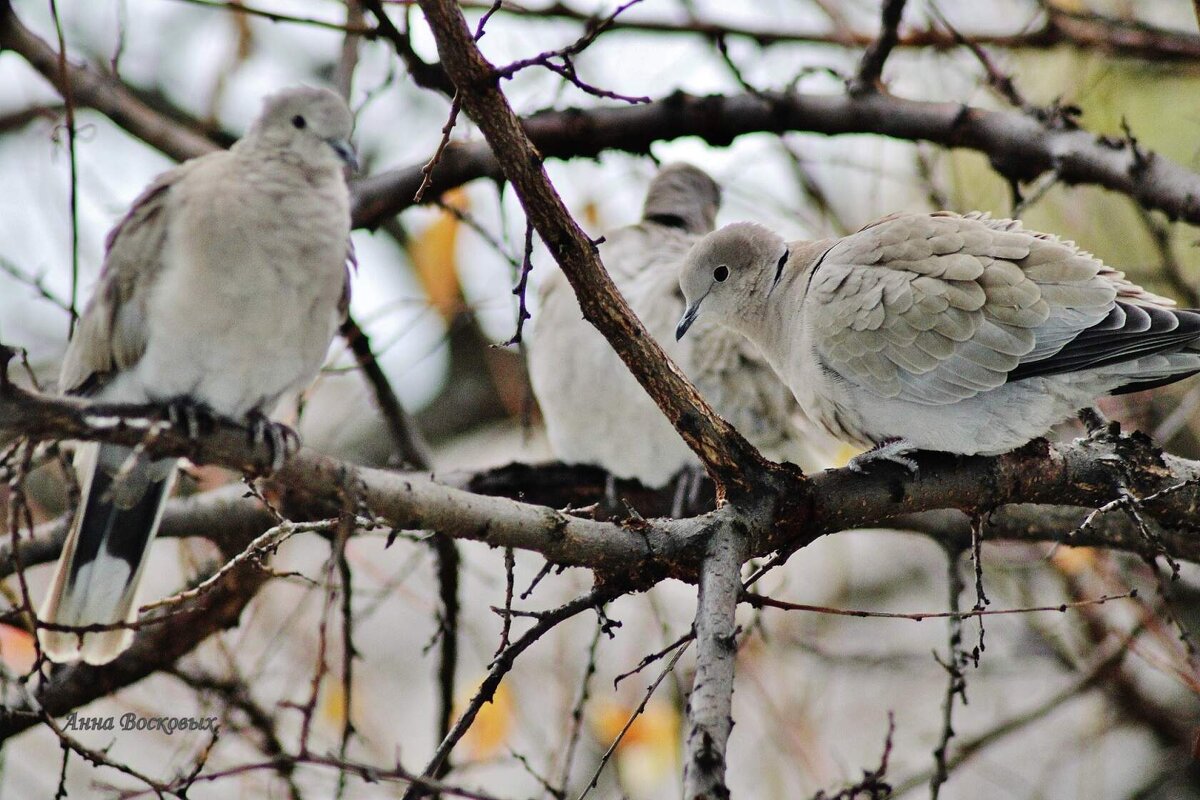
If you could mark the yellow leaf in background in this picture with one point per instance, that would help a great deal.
(1069, 6)
(433, 256)
(843, 454)
(488, 735)
(591, 215)
(649, 753)
(1074, 560)
(331, 705)
(332, 708)
(16, 648)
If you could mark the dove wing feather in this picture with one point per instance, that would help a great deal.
(937, 308)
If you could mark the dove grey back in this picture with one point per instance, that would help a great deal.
(938, 331)
(222, 287)
(594, 409)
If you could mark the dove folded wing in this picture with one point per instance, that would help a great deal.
(937, 308)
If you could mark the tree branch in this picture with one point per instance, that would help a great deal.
(629, 555)
(710, 706)
(1020, 147)
(1085, 31)
(727, 455)
(101, 92)
(870, 69)
(1087, 473)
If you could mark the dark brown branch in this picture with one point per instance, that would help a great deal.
(723, 450)
(870, 69)
(1087, 473)
(424, 74)
(410, 446)
(1117, 37)
(101, 92)
(1020, 147)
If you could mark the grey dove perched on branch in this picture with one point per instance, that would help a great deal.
(221, 290)
(595, 411)
(963, 334)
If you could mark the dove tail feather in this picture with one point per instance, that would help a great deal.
(1128, 333)
(101, 565)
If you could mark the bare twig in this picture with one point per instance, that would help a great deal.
(427, 170)
(352, 27)
(500, 667)
(409, 443)
(1084, 30)
(956, 683)
(73, 203)
(523, 286)
(637, 712)
(36, 282)
(763, 601)
(562, 61)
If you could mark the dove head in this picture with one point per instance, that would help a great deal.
(311, 125)
(682, 196)
(730, 271)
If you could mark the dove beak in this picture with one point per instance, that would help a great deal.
(689, 316)
(345, 152)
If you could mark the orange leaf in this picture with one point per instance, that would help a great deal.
(433, 256)
(16, 648)
(492, 724)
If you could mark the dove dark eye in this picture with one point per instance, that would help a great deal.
(721, 273)
(299, 122)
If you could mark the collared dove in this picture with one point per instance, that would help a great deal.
(963, 334)
(595, 411)
(221, 290)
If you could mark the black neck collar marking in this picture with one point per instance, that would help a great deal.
(779, 269)
(668, 221)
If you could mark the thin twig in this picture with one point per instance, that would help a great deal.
(522, 286)
(427, 170)
(500, 667)
(69, 108)
(763, 601)
(637, 712)
(237, 7)
(956, 684)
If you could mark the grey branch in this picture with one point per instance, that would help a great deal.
(710, 706)
(1020, 147)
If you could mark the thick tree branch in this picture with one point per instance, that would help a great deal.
(722, 449)
(629, 555)
(1020, 147)
(710, 705)
(1087, 473)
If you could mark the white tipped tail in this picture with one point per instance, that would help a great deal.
(97, 577)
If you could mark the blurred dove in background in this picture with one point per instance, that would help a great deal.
(221, 290)
(963, 334)
(595, 411)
